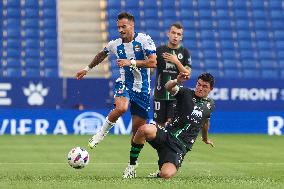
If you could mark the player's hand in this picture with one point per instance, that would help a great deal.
(123, 62)
(170, 57)
(80, 74)
(208, 142)
(182, 77)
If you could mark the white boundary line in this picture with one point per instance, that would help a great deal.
(187, 163)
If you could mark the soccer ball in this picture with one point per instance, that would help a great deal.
(78, 158)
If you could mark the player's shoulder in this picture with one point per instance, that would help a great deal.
(162, 47)
(210, 104)
(115, 42)
(142, 36)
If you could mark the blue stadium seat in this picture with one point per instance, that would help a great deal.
(32, 43)
(211, 63)
(32, 34)
(262, 35)
(112, 14)
(205, 14)
(264, 64)
(266, 54)
(49, 4)
(13, 52)
(215, 72)
(206, 24)
(277, 24)
(270, 74)
(243, 34)
(31, 13)
(204, 5)
(13, 12)
(13, 23)
(225, 34)
(210, 54)
(257, 5)
(259, 14)
(49, 23)
(13, 72)
(50, 43)
(224, 24)
(185, 14)
(133, 5)
(13, 32)
(231, 64)
(196, 72)
(228, 54)
(13, 3)
(207, 34)
(247, 54)
(32, 3)
(222, 14)
(150, 4)
(221, 4)
(49, 13)
(50, 72)
(50, 63)
(185, 4)
(50, 53)
(240, 4)
(275, 4)
(279, 35)
(251, 74)
(50, 33)
(169, 14)
(241, 14)
(260, 24)
(166, 4)
(245, 44)
(13, 43)
(209, 44)
(227, 44)
(232, 73)
(150, 13)
(281, 64)
(13, 63)
(277, 14)
(250, 64)
(242, 24)
(282, 74)
(32, 23)
(280, 54)
(152, 24)
(32, 53)
(32, 73)
(32, 63)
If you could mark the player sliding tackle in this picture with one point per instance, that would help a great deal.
(177, 138)
(136, 54)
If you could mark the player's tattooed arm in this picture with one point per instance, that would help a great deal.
(97, 59)
(205, 129)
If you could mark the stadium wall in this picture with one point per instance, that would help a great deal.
(48, 106)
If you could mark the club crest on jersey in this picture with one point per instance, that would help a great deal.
(209, 106)
(137, 48)
(180, 56)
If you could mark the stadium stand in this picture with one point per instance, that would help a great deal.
(232, 39)
(26, 25)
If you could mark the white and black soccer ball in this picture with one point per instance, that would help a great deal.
(78, 158)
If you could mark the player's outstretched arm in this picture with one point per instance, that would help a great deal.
(205, 129)
(171, 85)
(98, 59)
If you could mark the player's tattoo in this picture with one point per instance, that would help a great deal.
(98, 59)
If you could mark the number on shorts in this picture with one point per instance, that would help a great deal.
(157, 105)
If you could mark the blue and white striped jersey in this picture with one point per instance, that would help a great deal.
(136, 80)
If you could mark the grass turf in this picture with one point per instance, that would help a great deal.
(237, 161)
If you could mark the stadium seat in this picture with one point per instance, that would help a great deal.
(32, 43)
(166, 4)
(13, 12)
(32, 23)
(50, 43)
(49, 13)
(150, 13)
(31, 13)
(215, 72)
(282, 74)
(50, 72)
(264, 64)
(32, 63)
(222, 14)
(225, 34)
(50, 63)
(32, 72)
(49, 4)
(31, 34)
(270, 74)
(13, 52)
(251, 73)
(13, 63)
(257, 5)
(13, 3)
(50, 33)
(259, 14)
(221, 4)
(50, 53)
(250, 64)
(13, 43)
(185, 14)
(150, 4)
(49, 23)
(31, 3)
(205, 14)
(232, 73)
(185, 4)
(231, 64)
(241, 14)
(132, 5)
(13, 72)
(204, 5)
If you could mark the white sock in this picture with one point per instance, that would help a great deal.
(107, 125)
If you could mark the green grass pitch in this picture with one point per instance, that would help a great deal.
(237, 161)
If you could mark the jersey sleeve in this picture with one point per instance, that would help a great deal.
(180, 94)
(109, 48)
(149, 46)
(187, 58)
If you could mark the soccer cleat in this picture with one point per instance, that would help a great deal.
(130, 171)
(154, 175)
(96, 139)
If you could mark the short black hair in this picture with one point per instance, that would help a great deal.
(178, 25)
(207, 77)
(126, 15)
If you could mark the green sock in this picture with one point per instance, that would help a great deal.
(134, 152)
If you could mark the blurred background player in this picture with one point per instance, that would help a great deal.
(172, 59)
(133, 85)
(177, 138)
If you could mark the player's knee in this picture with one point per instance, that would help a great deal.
(121, 109)
(142, 130)
(167, 174)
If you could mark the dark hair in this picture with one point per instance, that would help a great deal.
(126, 15)
(208, 78)
(178, 25)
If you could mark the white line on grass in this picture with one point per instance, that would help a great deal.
(195, 163)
